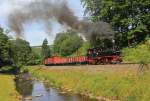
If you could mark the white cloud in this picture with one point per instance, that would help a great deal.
(5, 8)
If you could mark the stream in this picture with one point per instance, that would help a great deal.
(35, 90)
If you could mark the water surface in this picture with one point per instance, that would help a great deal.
(34, 90)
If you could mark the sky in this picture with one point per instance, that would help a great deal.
(34, 32)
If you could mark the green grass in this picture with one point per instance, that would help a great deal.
(7, 89)
(121, 86)
(137, 54)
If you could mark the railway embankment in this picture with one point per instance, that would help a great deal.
(100, 82)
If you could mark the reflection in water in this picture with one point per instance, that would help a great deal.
(24, 84)
(42, 92)
(52, 94)
(47, 86)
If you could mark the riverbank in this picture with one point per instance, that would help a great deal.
(7, 88)
(124, 85)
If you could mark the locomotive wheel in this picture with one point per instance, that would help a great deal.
(99, 62)
(94, 62)
(106, 61)
(103, 61)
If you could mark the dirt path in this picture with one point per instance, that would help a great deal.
(98, 68)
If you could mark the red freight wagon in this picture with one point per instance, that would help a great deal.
(63, 61)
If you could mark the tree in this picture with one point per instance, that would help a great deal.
(58, 42)
(130, 19)
(82, 51)
(67, 43)
(15, 53)
(21, 53)
(4, 49)
(45, 49)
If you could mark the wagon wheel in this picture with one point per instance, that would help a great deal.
(93, 62)
(98, 62)
(103, 61)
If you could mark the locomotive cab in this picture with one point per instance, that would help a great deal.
(103, 56)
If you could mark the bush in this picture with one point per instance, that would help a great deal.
(67, 43)
(137, 54)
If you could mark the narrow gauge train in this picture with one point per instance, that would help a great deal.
(94, 56)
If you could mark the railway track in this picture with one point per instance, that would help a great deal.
(74, 65)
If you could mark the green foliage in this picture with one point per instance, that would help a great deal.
(127, 17)
(82, 51)
(4, 49)
(138, 54)
(45, 49)
(58, 41)
(15, 53)
(67, 43)
(37, 50)
(21, 53)
(37, 58)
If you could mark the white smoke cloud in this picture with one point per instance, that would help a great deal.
(47, 11)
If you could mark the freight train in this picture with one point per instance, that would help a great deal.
(94, 56)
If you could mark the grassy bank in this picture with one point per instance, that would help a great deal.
(122, 85)
(7, 89)
(138, 53)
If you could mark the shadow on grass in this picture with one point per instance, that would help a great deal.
(11, 70)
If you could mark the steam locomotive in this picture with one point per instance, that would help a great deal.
(100, 56)
(94, 56)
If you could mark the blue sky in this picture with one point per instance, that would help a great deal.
(34, 32)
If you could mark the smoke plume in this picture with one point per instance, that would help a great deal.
(48, 10)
